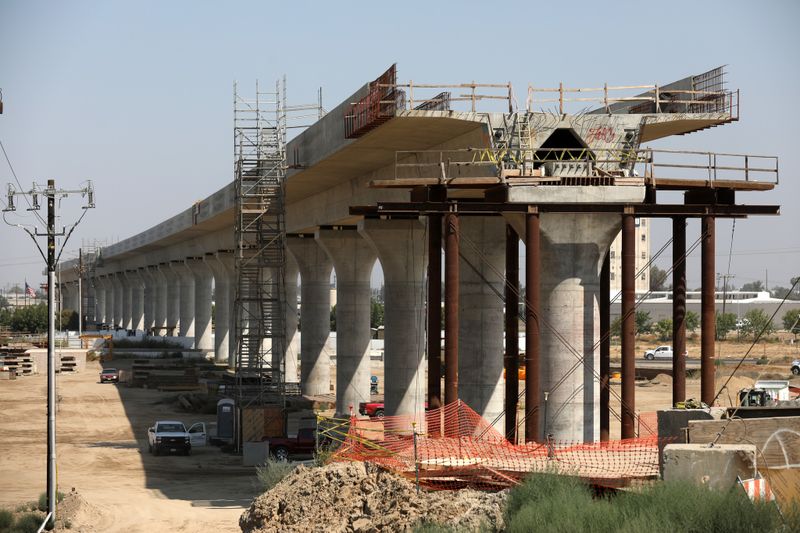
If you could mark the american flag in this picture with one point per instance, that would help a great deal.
(29, 291)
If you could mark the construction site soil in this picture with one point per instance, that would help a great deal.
(360, 497)
(102, 454)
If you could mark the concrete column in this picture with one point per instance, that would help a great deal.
(315, 281)
(108, 286)
(149, 300)
(572, 250)
(292, 335)
(127, 309)
(203, 278)
(136, 287)
(100, 300)
(480, 337)
(353, 260)
(402, 249)
(119, 299)
(173, 298)
(221, 265)
(185, 280)
(159, 299)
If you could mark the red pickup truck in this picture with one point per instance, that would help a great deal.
(281, 448)
(375, 409)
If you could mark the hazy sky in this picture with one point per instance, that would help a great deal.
(138, 95)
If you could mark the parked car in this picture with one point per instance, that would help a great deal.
(109, 374)
(281, 448)
(796, 367)
(172, 436)
(662, 352)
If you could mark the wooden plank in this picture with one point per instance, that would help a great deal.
(785, 483)
(777, 439)
(680, 184)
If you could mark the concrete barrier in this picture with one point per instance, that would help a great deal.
(716, 467)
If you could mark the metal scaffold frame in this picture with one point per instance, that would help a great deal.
(260, 301)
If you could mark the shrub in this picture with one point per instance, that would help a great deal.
(43, 500)
(28, 523)
(272, 473)
(6, 519)
(566, 504)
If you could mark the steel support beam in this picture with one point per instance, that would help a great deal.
(512, 333)
(678, 310)
(707, 315)
(605, 347)
(451, 279)
(434, 312)
(533, 393)
(628, 313)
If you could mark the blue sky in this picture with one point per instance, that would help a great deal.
(137, 95)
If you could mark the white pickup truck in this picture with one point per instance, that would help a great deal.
(662, 352)
(172, 436)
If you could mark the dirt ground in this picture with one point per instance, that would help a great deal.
(102, 452)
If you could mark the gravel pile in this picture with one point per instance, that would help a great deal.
(360, 497)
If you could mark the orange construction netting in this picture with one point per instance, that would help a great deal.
(453, 447)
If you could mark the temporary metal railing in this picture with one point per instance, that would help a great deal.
(663, 100)
(443, 165)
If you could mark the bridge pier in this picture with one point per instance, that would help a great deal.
(292, 336)
(353, 260)
(149, 301)
(100, 299)
(185, 280)
(480, 338)
(127, 309)
(221, 265)
(315, 281)
(401, 248)
(173, 296)
(202, 277)
(159, 299)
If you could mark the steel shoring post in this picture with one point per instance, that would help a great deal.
(512, 332)
(434, 313)
(451, 258)
(605, 347)
(628, 411)
(707, 318)
(678, 310)
(532, 328)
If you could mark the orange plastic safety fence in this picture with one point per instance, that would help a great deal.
(453, 447)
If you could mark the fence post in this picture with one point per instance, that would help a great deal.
(658, 100)
(510, 99)
(605, 97)
(561, 97)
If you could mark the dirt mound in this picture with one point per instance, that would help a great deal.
(74, 513)
(662, 379)
(360, 497)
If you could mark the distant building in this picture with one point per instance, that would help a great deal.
(19, 300)
(642, 231)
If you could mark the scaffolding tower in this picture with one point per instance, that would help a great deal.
(260, 300)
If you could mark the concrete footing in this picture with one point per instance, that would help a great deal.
(716, 467)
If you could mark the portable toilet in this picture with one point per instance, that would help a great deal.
(226, 419)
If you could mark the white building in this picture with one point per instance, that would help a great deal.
(642, 231)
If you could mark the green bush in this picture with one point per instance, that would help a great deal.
(432, 527)
(6, 519)
(272, 473)
(146, 343)
(43, 500)
(28, 523)
(566, 504)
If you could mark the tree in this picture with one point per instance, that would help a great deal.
(795, 295)
(376, 313)
(643, 322)
(68, 320)
(4, 302)
(663, 329)
(658, 279)
(757, 321)
(779, 292)
(755, 286)
(333, 318)
(790, 321)
(31, 319)
(692, 321)
(725, 323)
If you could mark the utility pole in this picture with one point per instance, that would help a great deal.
(51, 258)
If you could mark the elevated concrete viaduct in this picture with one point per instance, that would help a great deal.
(348, 206)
